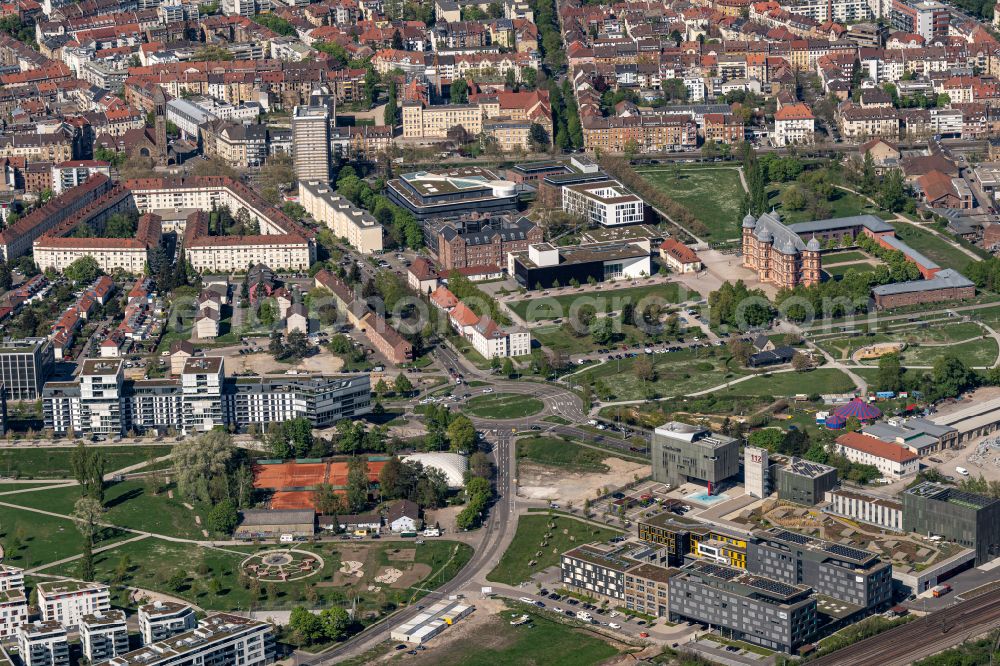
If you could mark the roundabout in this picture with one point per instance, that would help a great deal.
(282, 566)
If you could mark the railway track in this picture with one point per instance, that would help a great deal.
(922, 637)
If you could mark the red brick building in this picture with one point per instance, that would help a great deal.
(489, 246)
(723, 128)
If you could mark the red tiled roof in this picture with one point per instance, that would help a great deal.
(876, 447)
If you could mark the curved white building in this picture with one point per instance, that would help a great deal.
(453, 465)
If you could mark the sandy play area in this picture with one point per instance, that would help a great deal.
(556, 484)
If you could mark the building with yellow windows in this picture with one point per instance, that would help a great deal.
(683, 537)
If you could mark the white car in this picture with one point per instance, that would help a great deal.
(612, 625)
(487, 390)
(614, 613)
(527, 600)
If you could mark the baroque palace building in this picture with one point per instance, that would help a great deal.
(778, 254)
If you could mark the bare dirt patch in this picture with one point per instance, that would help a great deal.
(555, 483)
(406, 555)
(323, 362)
(444, 517)
(416, 573)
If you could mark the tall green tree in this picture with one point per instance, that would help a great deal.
(357, 484)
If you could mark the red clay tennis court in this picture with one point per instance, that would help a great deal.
(293, 499)
(289, 475)
(293, 475)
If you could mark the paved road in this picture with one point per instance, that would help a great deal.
(496, 536)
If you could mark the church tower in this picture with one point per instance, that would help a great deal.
(160, 125)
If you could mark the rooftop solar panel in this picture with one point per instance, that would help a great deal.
(847, 551)
(772, 586)
(800, 539)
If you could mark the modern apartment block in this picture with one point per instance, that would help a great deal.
(619, 573)
(219, 639)
(805, 482)
(311, 143)
(160, 620)
(13, 611)
(43, 643)
(67, 601)
(102, 402)
(970, 520)
(683, 453)
(607, 204)
(683, 538)
(24, 366)
(851, 575)
(864, 508)
(11, 578)
(753, 608)
(103, 635)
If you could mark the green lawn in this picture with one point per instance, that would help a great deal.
(713, 195)
(977, 353)
(548, 535)
(557, 338)
(154, 562)
(54, 462)
(843, 204)
(542, 641)
(842, 347)
(839, 257)
(42, 538)
(676, 373)
(555, 418)
(503, 406)
(837, 272)
(558, 452)
(128, 503)
(821, 380)
(565, 305)
(18, 487)
(933, 247)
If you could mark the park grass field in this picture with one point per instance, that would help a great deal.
(821, 380)
(565, 533)
(976, 353)
(677, 373)
(934, 248)
(837, 272)
(543, 641)
(55, 462)
(842, 347)
(843, 204)
(32, 539)
(129, 504)
(187, 571)
(712, 194)
(558, 452)
(503, 406)
(843, 256)
(542, 308)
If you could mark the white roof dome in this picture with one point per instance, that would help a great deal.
(452, 465)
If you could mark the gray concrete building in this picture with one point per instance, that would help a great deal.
(744, 606)
(968, 519)
(683, 453)
(857, 577)
(24, 367)
(805, 482)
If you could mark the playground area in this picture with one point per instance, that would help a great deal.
(282, 566)
(877, 350)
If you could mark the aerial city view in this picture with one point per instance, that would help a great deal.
(499, 332)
